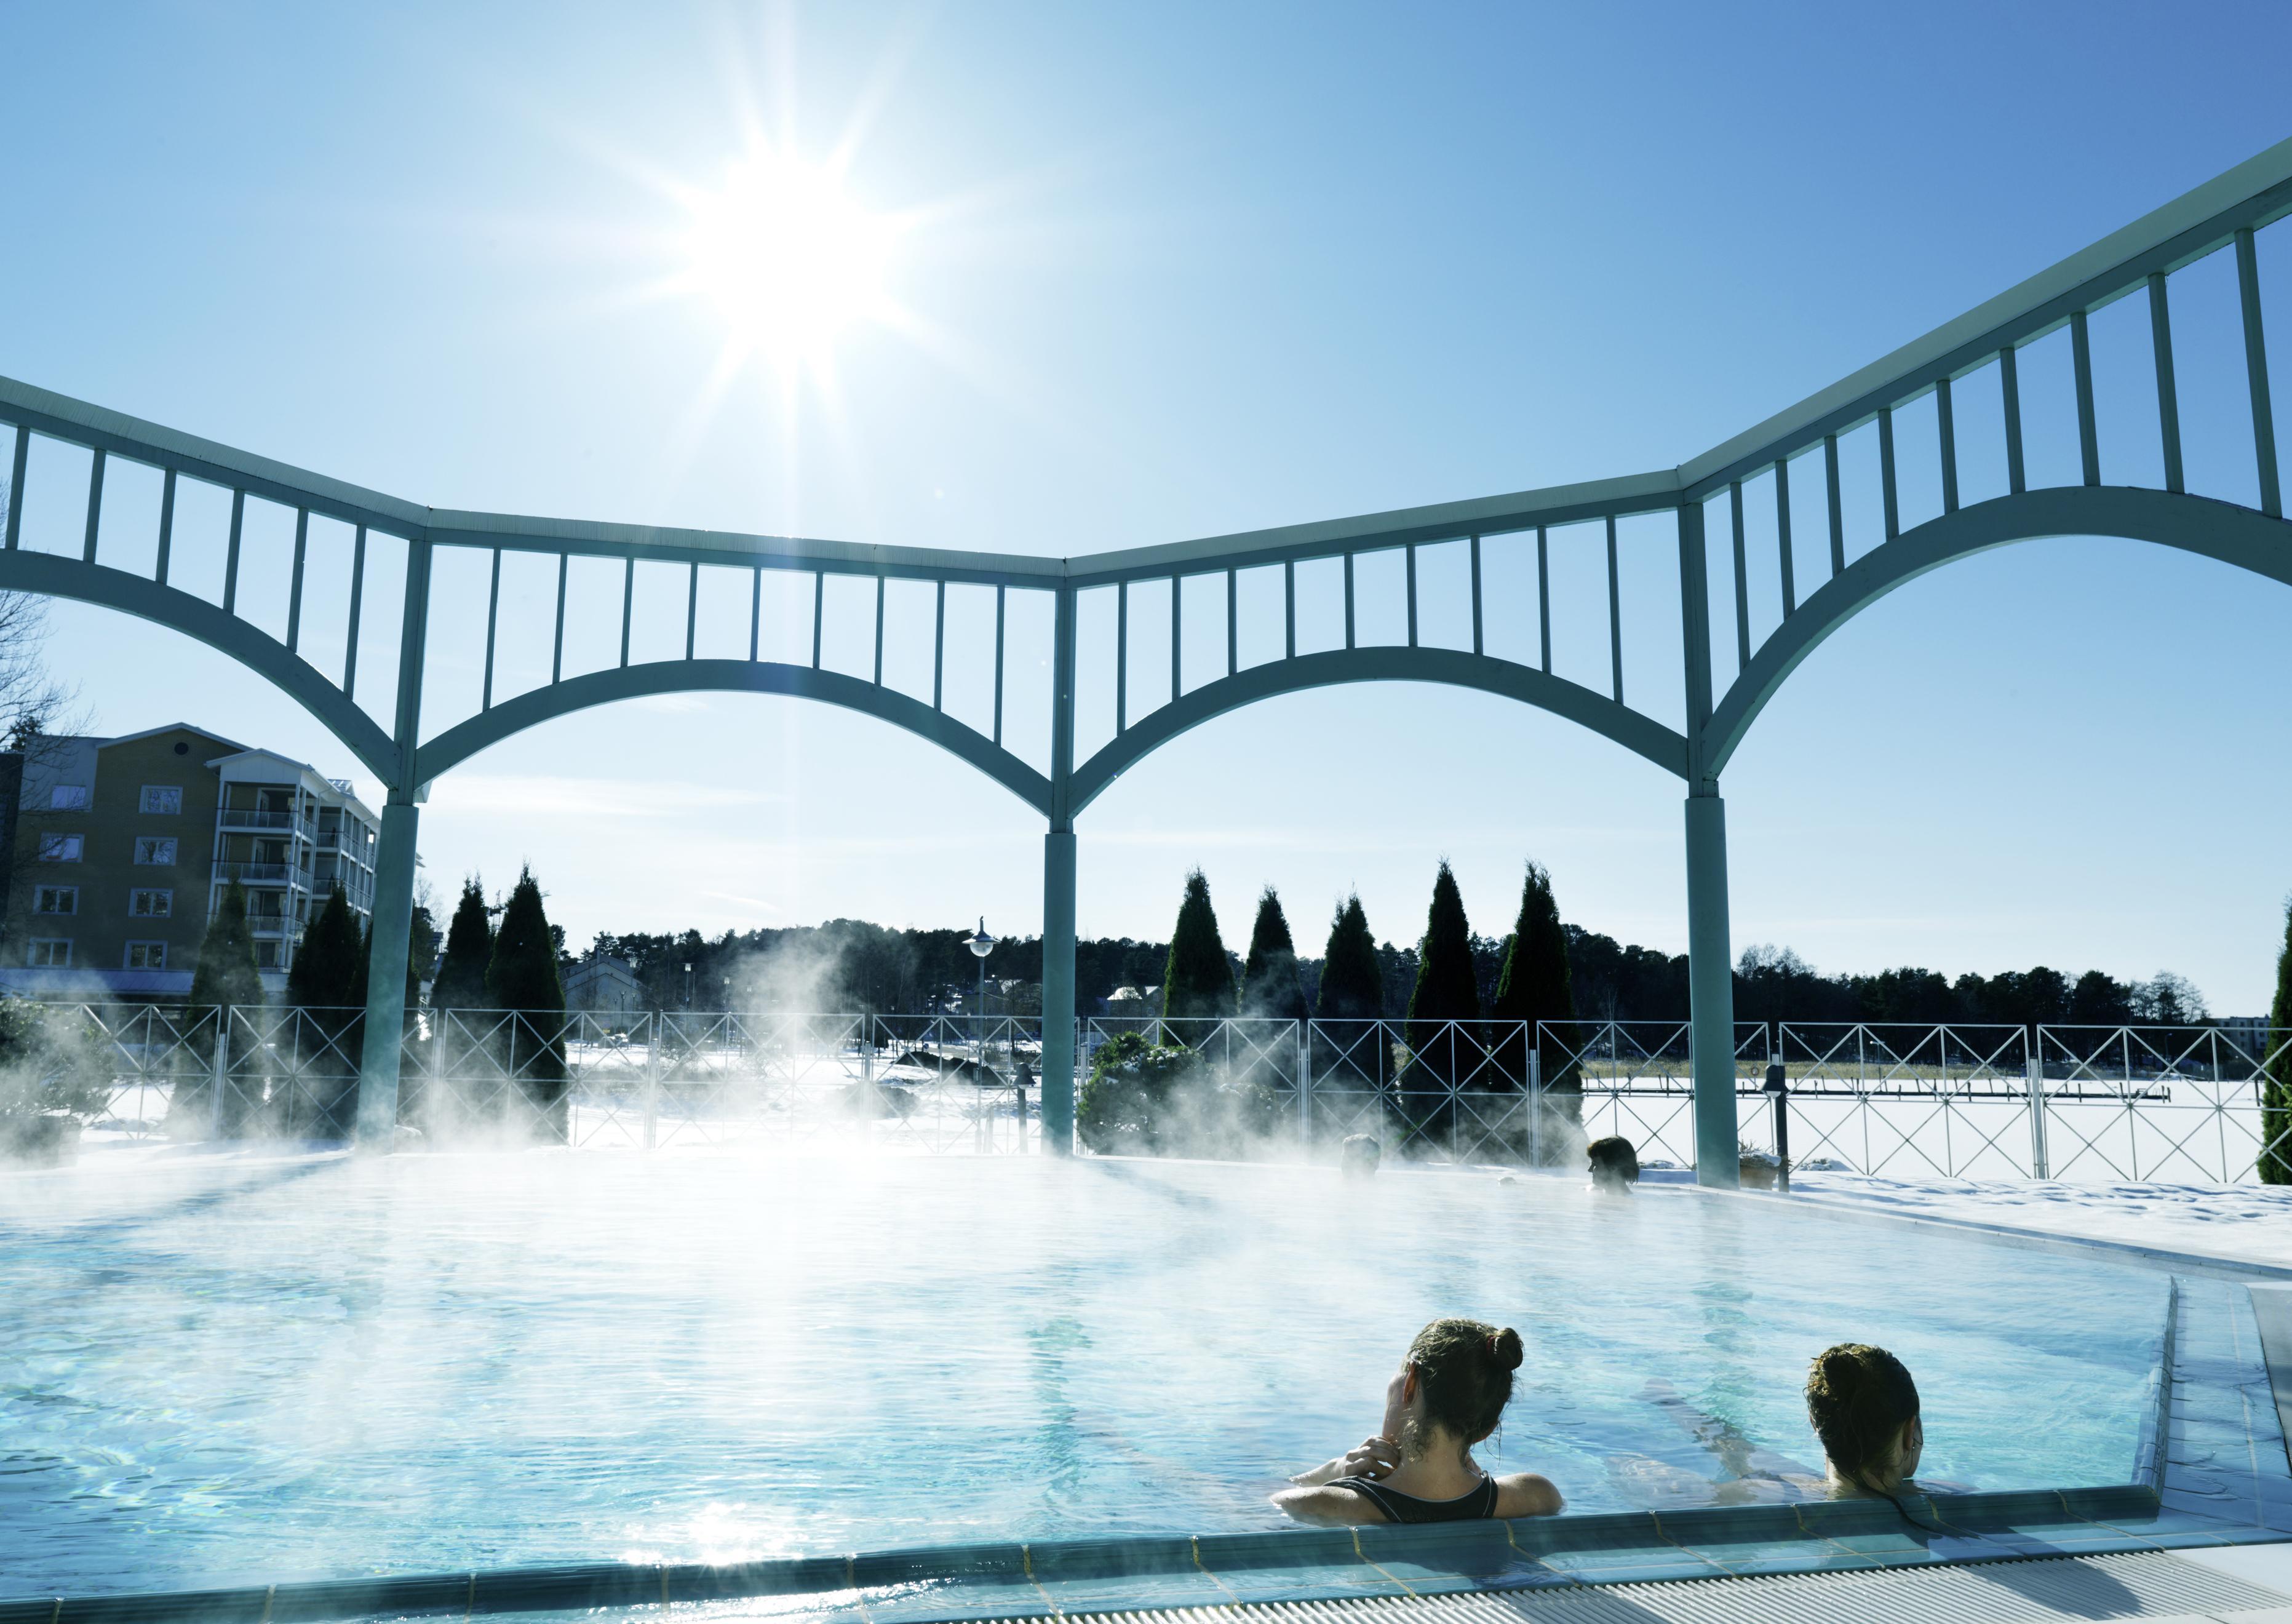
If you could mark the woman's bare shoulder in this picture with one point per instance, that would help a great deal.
(1526, 1494)
(1332, 1504)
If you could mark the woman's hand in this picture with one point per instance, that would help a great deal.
(1374, 1458)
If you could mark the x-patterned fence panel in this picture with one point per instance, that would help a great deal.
(2190, 1104)
(124, 1069)
(1909, 1100)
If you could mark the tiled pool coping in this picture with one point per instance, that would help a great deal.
(2212, 1469)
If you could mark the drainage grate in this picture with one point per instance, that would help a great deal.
(2142, 1584)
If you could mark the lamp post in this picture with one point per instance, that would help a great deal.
(688, 984)
(981, 944)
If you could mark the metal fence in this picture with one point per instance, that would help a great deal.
(2186, 1104)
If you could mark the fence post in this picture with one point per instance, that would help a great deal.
(1305, 1083)
(1535, 1094)
(653, 1081)
(2034, 1065)
(221, 1069)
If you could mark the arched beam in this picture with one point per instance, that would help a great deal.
(2221, 530)
(464, 740)
(1449, 667)
(54, 577)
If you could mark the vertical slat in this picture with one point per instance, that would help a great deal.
(998, 663)
(755, 611)
(2168, 392)
(294, 585)
(16, 485)
(1615, 614)
(166, 535)
(1838, 507)
(230, 553)
(358, 583)
(1349, 600)
(879, 631)
(2256, 371)
(1886, 486)
(1478, 648)
(1410, 571)
(1177, 606)
(1289, 608)
(2009, 384)
(1742, 579)
(628, 601)
(1946, 423)
(939, 648)
(1232, 622)
(1121, 656)
(818, 612)
(691, 609)
(493, 619)
(94, 506)
(1783, 536)
(1544, 598)
(2088, 428)
(557, 638)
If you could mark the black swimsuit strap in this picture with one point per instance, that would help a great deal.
(1479, 1501)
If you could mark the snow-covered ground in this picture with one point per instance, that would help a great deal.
(2245, 1222)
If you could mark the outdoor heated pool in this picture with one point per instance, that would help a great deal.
(231, 1372)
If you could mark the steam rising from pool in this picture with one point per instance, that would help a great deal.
(242, 1370)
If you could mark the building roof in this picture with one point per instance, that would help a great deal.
(172, 727)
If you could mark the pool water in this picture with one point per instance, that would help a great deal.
(228, 1372)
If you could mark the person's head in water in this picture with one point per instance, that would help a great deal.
(1864, 1407)
(1615, 1165)
(1452, 1388)
(1359, 1155)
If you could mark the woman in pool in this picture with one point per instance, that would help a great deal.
(1449, 1395)
(1864, 1407)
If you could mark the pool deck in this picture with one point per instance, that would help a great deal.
(2211, 1481)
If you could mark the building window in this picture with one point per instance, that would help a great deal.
(68, 797)
(49, 952)
(147, 955)
(266, 956)
(61, 848)
(167, 798)
(55, 899)
(154, 848)
(152, 904)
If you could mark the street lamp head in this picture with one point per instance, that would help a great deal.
(983, 944)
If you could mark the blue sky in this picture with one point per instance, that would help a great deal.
(1175, 271)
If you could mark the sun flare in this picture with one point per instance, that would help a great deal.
(786, 261)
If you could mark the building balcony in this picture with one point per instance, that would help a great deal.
(239, 818)
(257, 873)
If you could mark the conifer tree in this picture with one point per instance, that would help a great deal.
(1197, 982)
(326, 983)
(1534, 985)
(1352, 982)
(1446, 987)
(1269, 989)
(522, 976)
(2276, 1116)
(461, 982)
(225, 978)
(421, 951)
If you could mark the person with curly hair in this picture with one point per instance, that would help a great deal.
(1447, 1396)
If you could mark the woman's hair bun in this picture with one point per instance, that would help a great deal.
(1504, 1348)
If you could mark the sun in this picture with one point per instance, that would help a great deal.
(785, 260)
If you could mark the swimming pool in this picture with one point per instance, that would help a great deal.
(234, 1372)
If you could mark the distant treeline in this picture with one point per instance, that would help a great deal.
(849, 966)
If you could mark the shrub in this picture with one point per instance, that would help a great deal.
(1164, 1099)
(52, 1063)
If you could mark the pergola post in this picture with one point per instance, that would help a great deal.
(1058, 895)
(386, 980)
(1710, 990)
(393, 917)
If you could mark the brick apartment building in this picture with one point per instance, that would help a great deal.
(121, 848)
